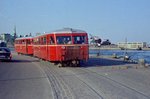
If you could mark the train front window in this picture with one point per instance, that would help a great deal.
(79, 39)
(64, 40)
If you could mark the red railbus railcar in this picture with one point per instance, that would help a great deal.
(66, 46)
(24, 45)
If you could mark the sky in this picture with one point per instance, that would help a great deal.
(115, 20)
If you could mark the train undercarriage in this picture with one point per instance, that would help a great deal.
(69, 63)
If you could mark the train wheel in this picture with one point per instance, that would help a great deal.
(59, 65)
(56, 63)
(62, 64)
(78, 62)
(70, 64)
(75, 63)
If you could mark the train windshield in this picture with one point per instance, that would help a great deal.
(64, 40)
(79, 39)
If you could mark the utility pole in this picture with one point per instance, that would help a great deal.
(30, 34)
(15, 34)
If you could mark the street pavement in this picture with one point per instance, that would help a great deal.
(26, 77)
(23, 79)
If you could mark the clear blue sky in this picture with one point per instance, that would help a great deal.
(109, 19)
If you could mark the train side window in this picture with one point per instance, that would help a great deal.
(44, 40)
(41, 41)
(31, 41)
(38, 41)
(28, 42)
(23, 42)
(35, 41)
(51, 40)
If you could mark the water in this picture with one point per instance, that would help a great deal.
(134, 54)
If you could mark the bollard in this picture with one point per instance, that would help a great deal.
(98, 54)
(126, 58)
(141, 62)
(114, 55)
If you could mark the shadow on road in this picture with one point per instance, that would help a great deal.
(19, 61)
(92, 62)
(17, 79)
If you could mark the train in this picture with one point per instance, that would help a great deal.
(64, 47)
(24, 45)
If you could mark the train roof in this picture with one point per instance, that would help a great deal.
(68, 30)
(64, 30)
(24, 38)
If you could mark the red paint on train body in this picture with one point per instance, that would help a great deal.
(24, 45)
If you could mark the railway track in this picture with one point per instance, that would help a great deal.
(59, 86)
(87, 71)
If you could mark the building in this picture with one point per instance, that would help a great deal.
(6, 37)
(132, 45)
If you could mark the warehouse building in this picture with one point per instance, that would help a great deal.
(132, 45)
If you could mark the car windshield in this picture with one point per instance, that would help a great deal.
(79, 39)
(4, 50)
(64, 40)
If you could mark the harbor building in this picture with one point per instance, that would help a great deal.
(132, 45)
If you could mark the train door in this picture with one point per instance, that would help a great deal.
(44, 49)
(26, 46)
(51, 50)
(23, 49)
(47, 42)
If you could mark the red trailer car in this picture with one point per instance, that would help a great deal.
(24, 45)
(66, 46)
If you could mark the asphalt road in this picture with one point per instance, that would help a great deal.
(27, 77)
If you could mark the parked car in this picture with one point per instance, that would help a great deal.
(5, 54)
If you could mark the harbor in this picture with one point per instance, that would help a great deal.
(135, 55)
